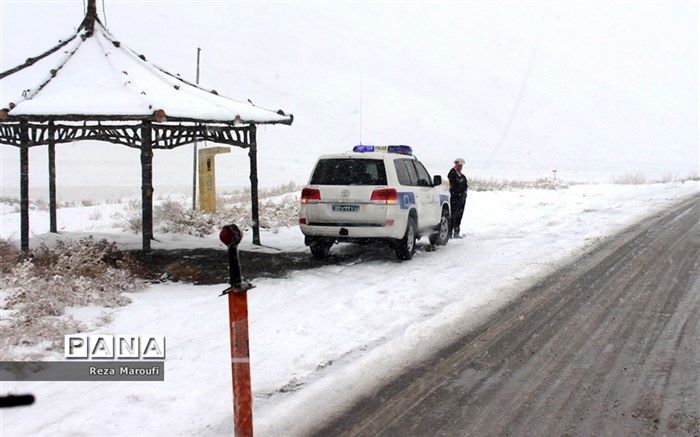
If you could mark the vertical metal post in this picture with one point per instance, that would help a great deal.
(231, 235)
(253, 155)
(194, 152)
(53, 227)
(194, 176)
(24, 185)
(91, 15)
(240, 364)
(146, 185)
(92, 8)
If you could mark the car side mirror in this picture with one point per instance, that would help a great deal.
(437, 180)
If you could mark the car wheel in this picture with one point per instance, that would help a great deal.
(320, 250)
(406, 247)
(443, 235)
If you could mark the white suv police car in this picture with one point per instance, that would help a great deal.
(373, 193)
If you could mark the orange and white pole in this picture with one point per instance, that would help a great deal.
(240, 363)
(238, 322)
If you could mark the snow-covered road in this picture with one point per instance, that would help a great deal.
(320, 337)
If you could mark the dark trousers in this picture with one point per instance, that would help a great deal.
(457, 210)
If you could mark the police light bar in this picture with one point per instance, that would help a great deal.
(362, 149)
(403, 150)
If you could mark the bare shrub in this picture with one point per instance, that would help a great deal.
(238, 213)
(39, 289)
(41, 205)
(177, 217)
(673, 177)
(27, 331)
(130, 219)
(104, 318)
(279, 190)
(493, 184)
(243, 195)
(10, 256)
(272, 214)
(95, 215)
(9, 200)
(279, 214)
(633, 178)
(667, 177)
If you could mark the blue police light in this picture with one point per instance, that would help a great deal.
(403, 150)
(363, 149)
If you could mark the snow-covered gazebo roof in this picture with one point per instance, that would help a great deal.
(94, 75)
(91, 86)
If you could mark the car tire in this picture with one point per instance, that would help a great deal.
(320, 250)
(441, 237)
(406, 247)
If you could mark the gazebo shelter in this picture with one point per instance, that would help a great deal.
(93, 87)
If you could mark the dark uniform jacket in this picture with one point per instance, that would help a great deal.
(458, 184)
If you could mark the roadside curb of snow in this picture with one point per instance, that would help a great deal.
(329, 396)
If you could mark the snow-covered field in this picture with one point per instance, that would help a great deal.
(320, 338)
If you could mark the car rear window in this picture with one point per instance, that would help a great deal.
(349, 171)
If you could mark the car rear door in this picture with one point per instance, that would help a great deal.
(410, 194)
(429, 196)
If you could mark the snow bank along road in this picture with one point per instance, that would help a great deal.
(608, 345)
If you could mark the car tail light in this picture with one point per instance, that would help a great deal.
(302, 221)
(309, 195)
(388, 196)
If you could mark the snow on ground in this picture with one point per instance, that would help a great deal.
(320, 338)
(101, 220)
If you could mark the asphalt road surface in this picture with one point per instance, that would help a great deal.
(609, 345)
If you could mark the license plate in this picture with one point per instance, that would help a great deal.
(346, 208)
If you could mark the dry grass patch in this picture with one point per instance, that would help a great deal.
(37, 290)
(10, 256)
(177, 217)
(494, 184)
(633, 178)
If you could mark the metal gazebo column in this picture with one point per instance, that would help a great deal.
(146, 185)
(253, 155)
(90, 15)
(52, 178)
(24, 185)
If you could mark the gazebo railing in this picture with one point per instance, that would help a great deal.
(165, 135)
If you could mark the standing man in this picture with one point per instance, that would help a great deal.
(458, 195)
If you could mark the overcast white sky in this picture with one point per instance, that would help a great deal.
(593, 89)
